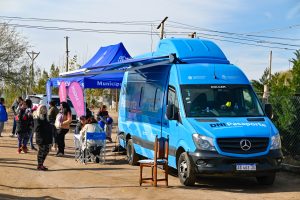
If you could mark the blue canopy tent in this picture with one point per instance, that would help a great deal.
(104, 56)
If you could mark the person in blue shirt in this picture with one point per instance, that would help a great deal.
(3, 115)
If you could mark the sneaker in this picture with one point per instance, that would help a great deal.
(109, 139)
(24, 149)
(19, 150)
(12, 135)
(42, 168)
(59, 155)
(33, 148)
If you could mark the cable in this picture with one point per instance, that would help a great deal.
(231, 33)
(80, 21)
(243, 39)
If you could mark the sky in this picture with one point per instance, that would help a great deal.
(218, 20)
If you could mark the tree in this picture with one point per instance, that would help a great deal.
(296, 72)
(258, 85)
(40, 88)
(12, 50)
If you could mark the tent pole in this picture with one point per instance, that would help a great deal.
(117, 100)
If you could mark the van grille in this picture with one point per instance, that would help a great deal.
(233, 145)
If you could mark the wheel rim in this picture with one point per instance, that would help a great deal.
(183, 169)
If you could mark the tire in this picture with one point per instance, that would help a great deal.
(186, 170)
(266, 180)
(132, 157)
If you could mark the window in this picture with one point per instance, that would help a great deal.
(220, 101)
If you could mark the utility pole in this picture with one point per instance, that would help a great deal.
(67, 53)
(267, 86)
(192, 35)
(161, 26)
(32, 55)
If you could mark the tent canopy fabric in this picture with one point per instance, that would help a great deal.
(104, 56)
(107, 55)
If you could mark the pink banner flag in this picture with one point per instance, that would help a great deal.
(75, 93)
(62, 92)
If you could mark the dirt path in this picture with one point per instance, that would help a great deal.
(67, 179)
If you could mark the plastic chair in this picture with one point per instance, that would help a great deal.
(95, 147)
(161, 152)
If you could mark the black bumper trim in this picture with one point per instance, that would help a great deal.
(214, 163)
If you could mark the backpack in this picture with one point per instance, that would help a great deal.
(58, 120)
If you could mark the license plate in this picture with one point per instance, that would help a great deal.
(246, 167)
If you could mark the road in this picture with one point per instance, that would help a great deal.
(68, 179)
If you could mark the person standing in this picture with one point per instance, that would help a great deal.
(104, 117)
(23, 127)
(14, 108)
(3, 115)
(63, 129)
(43, 131)
(52, 113)
(29, 112)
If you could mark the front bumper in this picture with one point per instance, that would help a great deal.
(207, 162)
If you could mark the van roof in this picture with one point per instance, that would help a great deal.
(192, 50)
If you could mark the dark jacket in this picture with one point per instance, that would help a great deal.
(23, 121)
(52, 113)
(3, 113)
(43, 130)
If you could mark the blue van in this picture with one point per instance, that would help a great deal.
(207, 108)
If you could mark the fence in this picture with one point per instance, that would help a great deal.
(286, 111)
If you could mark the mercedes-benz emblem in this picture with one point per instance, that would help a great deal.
(245, 144)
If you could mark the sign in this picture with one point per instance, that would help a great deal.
(62, 92)
(75, 93)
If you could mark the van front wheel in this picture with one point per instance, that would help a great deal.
(186, 170)
(131, 155)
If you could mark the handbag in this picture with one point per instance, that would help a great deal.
(58, 120)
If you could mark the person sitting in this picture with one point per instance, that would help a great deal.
(91, 126)
(80, 124)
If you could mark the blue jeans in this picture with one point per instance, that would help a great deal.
(14, 127)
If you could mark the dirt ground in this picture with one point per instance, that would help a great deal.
(67, 179)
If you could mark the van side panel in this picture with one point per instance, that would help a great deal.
(141, 99)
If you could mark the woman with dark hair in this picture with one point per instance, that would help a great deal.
(65, 121)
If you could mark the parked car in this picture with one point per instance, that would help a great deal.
(38, 99)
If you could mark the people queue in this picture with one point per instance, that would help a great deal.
(50, 126)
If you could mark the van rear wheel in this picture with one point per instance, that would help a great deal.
(266, 180)
(186, 170)
(132, 157)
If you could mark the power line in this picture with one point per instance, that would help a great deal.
(241, 38)
(79, 21)
(80, 29)
(231, 33)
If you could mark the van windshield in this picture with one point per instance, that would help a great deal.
(220, 101)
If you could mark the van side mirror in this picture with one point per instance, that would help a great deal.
(171, 112)
(269, 110)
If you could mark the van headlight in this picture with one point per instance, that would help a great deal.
(203, 143)
(275, 142)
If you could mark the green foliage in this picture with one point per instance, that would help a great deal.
(40, 87)
(258, 85)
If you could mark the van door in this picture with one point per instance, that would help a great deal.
(172, 127)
